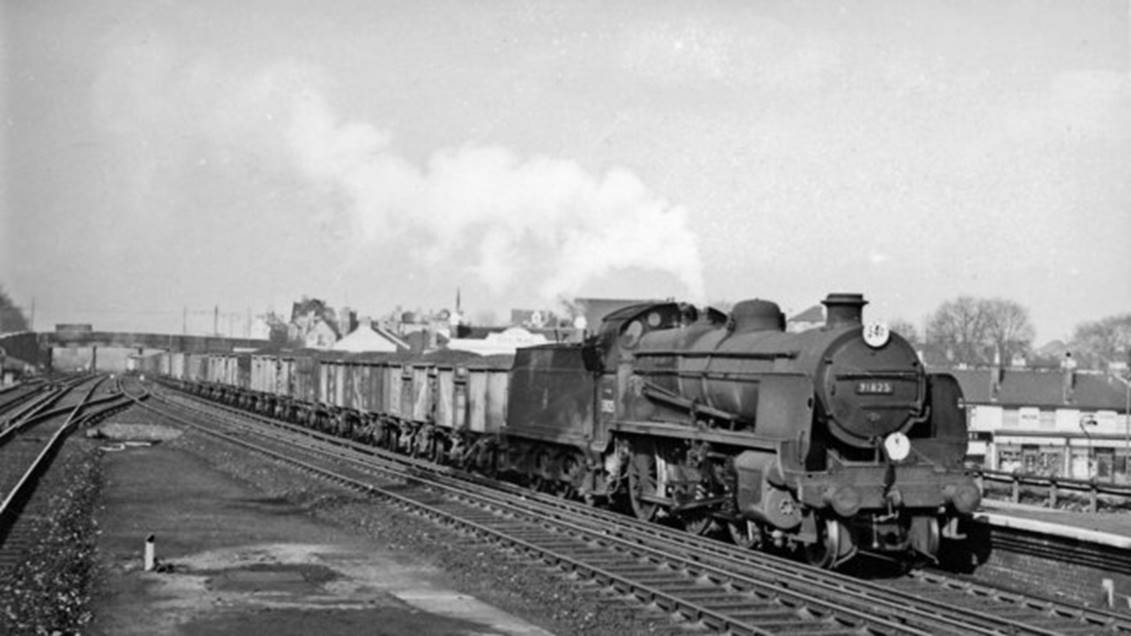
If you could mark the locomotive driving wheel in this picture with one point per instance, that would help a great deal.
(642, 482)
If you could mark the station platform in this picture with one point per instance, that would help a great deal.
(1104, 528)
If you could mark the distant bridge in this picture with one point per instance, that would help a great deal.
(71, 348)
(133, 340)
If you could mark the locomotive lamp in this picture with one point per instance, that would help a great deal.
(876, 334)
(897, 446)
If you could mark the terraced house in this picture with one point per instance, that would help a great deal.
(1066, 423)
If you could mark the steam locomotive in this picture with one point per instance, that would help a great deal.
(821, 443)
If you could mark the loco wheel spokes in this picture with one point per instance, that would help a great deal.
(642, 482)
(745, 534)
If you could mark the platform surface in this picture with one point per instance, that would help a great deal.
(1110, 528)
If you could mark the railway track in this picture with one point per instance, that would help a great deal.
(706, 584)
(12, 396)
(30, 437)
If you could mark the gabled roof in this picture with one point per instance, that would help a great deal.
(505, 342)
(1042, 389)
(816, 313)
(366, 338)
(391, 337)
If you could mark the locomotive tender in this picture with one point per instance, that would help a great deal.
(823, 442)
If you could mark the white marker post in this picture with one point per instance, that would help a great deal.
(150, 553)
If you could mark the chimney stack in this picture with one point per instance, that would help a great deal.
(843, 309)
(1069, 386)
(996, 375)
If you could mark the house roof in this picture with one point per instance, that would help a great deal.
(505, 342)
(816, 313)
(366, 338)
(1043, 389)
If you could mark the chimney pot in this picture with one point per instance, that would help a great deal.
(843, 309)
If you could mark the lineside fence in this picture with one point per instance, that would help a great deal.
(1054, 492)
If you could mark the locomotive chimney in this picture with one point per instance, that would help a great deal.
(756, 315)
(843, 309)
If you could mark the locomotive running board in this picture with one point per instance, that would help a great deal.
(680, 431)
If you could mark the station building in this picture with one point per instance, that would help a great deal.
(1049, 422)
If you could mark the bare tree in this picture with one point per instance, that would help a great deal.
(958, 328)
(1104, 341)
(905, 329)
(979, 330)
(1008, 328)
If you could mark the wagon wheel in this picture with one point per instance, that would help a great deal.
(388, 439)
(642, 481)
(439, 452)
(745, 534)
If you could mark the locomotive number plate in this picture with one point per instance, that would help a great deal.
(874, 387)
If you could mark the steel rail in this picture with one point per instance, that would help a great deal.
(15, 498)
(54, 391)
(788, 607)
(1045, 611)
(715, 563)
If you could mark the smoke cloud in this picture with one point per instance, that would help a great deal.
(514, 217)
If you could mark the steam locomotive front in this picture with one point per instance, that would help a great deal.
(870, 383)
(888, 439)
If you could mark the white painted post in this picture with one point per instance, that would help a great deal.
(1109, 591)
(150, 550)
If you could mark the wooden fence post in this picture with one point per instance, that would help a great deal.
(1052, 492)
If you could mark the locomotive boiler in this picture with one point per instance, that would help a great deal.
(822, 442)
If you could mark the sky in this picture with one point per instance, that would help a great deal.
(164, 157)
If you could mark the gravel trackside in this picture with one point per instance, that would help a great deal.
(48, 591)
(539, 596)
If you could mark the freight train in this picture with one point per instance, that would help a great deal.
(820, 443)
